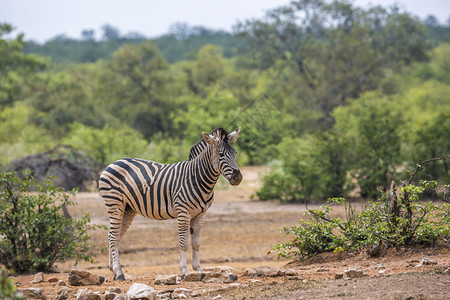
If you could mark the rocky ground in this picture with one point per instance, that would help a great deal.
(236, 242)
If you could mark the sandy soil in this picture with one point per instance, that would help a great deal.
(240, 232)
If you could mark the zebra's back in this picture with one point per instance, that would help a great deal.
(146, 187)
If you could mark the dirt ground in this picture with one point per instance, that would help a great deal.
(240, 232)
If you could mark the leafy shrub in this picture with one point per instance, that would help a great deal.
(34, 235)
(7, 288)
(393, 220)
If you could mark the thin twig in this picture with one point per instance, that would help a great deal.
(420, 166)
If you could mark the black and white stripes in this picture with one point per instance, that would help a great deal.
(183, 190)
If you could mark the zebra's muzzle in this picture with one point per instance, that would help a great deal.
(236, 177)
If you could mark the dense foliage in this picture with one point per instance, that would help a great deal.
(34, 233)
(396, 219)
(337, 98)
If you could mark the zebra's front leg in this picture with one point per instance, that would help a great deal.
(196, 228)
(183, 239)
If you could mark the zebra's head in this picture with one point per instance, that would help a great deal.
(224, 155)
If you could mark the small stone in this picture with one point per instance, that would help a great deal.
(219, 278)
(167, 280)
(39, 277)
(270, 271)
(61, 283)
(250, 272)
(82, 277)
(53, 280)
(194, 276)
(166, 295)
(220, 269)
(384, 272)
(110, 295)
(63, 293)
(181, 293)
(291, 272)
(338, 275)
(354, 273)
(141, 291)
(428, 261)
(115, 289)
(33, 293)
(379, 266)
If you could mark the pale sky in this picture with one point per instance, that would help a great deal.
(41, 20)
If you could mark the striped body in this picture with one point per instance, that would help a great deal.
(183, 190)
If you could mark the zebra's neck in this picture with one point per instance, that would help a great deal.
(203, 169)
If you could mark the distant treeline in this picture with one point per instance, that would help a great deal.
(181, 43)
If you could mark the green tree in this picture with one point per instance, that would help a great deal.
(136, 88)
(108, 144)
(16, 68)
(371, 132)
(331, 50)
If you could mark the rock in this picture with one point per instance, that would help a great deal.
(39, 277)
(61, 283)
(338, 275)
(220, 269)
(291, 272)
(428, 261)
(354, 273)
(379, 266)
(141, 291)
(166, 295)
(194, 276)
(270, 271)
(84, 294)
(115, 289)
(181, 293)
(33, 293)
(82, 277)
(53, 280)
(167, 280)
(63, 293)
(250, 272)
(110, 295)
(213, 277)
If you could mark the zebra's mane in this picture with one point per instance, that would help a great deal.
(198, 148)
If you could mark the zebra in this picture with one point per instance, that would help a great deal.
(183, 190)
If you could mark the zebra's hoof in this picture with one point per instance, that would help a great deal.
(121, 277)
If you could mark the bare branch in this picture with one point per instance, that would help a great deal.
(420, 167)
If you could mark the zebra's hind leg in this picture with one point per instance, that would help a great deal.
(116, 216)
(196, 228)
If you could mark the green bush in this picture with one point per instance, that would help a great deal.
(34, 235)
(7, 288)
(392, 221)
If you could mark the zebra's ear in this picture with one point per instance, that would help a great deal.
(210, 139)
(232, 137)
